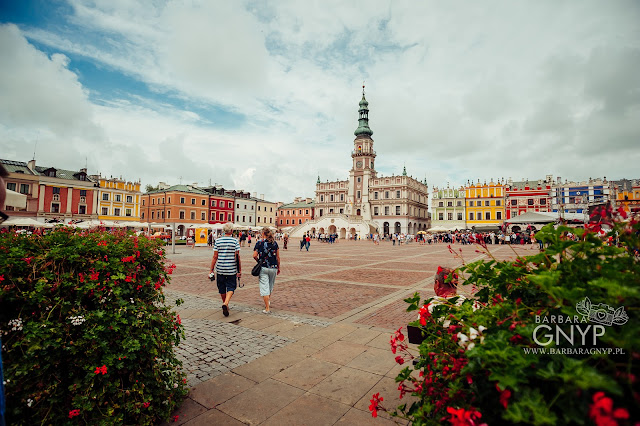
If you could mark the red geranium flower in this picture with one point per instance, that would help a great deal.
(74, 413)
(462, 417)
(399, 360)
(504, 396)
(375, 404)
(602, 412)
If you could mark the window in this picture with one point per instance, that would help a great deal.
(486, 203)
(204, 202)
(82, 209)
(250, 219)
(341, 211)
(270, 220)
(129, 199)
(142, 215)
(230, 206)
(270, 209)
(193, 215)
(487, 215)
(499, 215)
(331, 197)
(258, 219)
(118, 197)
(56, 190)
(341, 197)
(193, 201)
(55, 208)
(238, 206)
(459, 216)
(449, 203)
(459, 203)
(11, 186)
(440, 216)
(386, 210)
(321, 210)
(441, 204)
(181, 215)
(229, 217)
(300, 211)
(153, 215)
(245, 206)
(287, 221)
(514, 202)
(530, 202)
(299, 221)
(359, 179)
(386, 194)
(105, 211)
(397, 210)
(116, 212)
(375, 195)
(213, 203)
(24, 188)
(375, 211)
(168, 214)
(397, 194)
(470, 216)
(127, 212)
(322, 198)
(543, 201)
(181, 200)
(449, 216)
(358, 195)
(51, 173)
(143, 200)
(203, 216)
(221, 216)
(56, 197)
(153, 201)
(306, 211)
(169, 200)
(470, 203)
(244, 218)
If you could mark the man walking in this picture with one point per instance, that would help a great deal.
(226, 263)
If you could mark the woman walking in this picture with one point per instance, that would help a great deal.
(267, 253)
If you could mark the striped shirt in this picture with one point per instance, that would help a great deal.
(226, 248)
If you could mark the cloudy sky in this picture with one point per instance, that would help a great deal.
(263, 95)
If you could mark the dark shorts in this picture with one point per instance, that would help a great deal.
(226, 283)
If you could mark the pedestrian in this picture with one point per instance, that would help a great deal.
(226, 264)
(266, 252)
(285, 240)
(303, 242)
(210, 239)
(307, 242)
(249, 239)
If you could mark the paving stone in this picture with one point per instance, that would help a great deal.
(347, 385)
(308, 410)
(260, 402)
(340, 352)
(361, 336)
(374, 360)
(213, 417)
(355, 417)
(187, 411)
(388, 389)
(306, 373)
(219, 389)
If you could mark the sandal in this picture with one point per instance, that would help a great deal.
(264, 311)
(225, 310)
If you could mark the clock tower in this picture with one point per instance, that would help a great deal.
(362, 169)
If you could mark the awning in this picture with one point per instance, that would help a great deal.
(24, 221)
(533, 217)
(15, 199)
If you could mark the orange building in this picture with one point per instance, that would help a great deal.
(296, 213)
(183, 205)
(628, 195)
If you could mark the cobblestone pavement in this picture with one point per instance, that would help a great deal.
(355, 283)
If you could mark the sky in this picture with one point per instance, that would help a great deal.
(263, 95)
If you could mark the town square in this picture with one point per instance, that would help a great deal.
(319, 213)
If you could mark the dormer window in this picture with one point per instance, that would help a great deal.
(50, 172)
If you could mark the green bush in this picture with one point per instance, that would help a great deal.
(85, 332)
(506, 356)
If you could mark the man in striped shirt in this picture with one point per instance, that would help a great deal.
(226, 263)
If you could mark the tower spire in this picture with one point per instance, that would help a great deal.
(404, 170)
(363, 120)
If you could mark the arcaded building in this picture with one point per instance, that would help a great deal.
(366, 202)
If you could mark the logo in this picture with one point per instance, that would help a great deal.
(602, 313)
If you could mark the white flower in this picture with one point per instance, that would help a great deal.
(16, 324)
(476, 305)
(175, 385)
(473, 333)
(29, 402)
(77, 320)
(102, 300)
(446, 324)
(481, 328)
(462, 340)
(131, 299)
(471, 346)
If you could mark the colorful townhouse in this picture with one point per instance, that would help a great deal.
(627, 195)
(300, 211)
(24, 180)
(448, 208)
(221, 205)
(183, 205)
(525, 196)
(485, 205)
(265, 212)
(118, 200)
(579, 197)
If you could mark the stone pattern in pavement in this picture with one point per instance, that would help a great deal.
(212, 348)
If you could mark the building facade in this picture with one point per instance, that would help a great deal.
(221, 205)
(299, 212)
(118, 199)
(265, 213)
(627, 195)
(578, 197)
(245, 209)
(366, 202)
(448, 207)
(524, 196)
(183, 205)
(485, 205)
(24, 180)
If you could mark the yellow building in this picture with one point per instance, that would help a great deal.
(118, 200)
(485, 205)
(628, 195)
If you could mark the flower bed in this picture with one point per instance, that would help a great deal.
(552, 338)
(86, 335)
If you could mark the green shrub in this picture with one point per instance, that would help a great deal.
(85, 332)
(505, 357)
